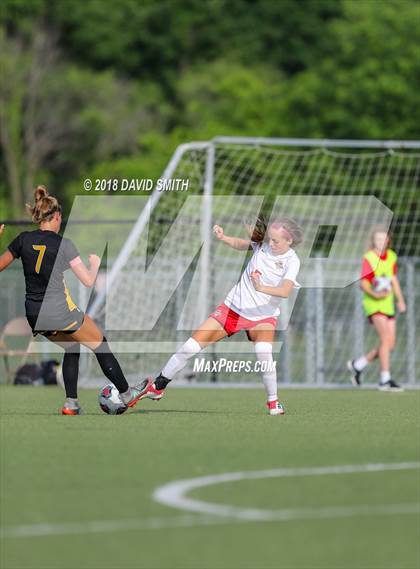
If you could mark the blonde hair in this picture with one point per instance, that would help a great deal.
(291, 227)
(44, 207)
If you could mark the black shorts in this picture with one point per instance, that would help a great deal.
(62, 320)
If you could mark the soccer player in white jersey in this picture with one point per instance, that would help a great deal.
(251, 305)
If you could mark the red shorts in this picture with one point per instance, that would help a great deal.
(390, 317)
(232, 322)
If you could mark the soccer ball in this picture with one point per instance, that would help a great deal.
(110, 401)
(381, 284)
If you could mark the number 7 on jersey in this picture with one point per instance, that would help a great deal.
(41, 251)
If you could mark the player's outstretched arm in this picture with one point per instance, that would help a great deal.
(7, 258)
(234, 242)
(282, 291)
(86, 275)
(398, 294)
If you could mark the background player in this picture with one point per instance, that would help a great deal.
(251, 305)
(380, 286)
(49, 308)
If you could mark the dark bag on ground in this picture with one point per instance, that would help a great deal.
(28, 374)
(49, 372)
(34, 374)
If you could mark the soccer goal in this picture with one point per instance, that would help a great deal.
(171, 272)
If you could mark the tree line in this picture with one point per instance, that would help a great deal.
(96, 88)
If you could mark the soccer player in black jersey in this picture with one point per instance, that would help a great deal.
(50, 311)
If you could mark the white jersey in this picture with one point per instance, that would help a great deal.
(254, 305)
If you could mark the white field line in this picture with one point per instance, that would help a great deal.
(114, 526)
(174, 493)
(222, 514)
(105, 526)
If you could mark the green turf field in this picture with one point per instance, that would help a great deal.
(76, 492)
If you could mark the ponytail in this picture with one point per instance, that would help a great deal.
(44, 206)
(256, 227)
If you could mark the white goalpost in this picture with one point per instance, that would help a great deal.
(171, 272)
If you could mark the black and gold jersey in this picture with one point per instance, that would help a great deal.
(45, 256)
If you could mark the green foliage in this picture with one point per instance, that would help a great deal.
(20, 14)
(58, 118)
(231, 98)
(160, 38)
(121, 84)
(369, 86)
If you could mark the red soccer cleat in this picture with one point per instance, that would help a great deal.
(275, 408)
(145, 389)
(71, 411)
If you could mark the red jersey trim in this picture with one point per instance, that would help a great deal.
(367, 271)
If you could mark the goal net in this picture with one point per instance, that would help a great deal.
(172, 272)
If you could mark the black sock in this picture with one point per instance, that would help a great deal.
(110, 366)
(161, 381)
(70, 369)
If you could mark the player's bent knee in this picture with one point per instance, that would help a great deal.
(203, 340)
(99, 346)
(191, 347)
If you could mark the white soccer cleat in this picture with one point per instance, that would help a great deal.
(355, 374)
(275, 408)
(390, 386)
